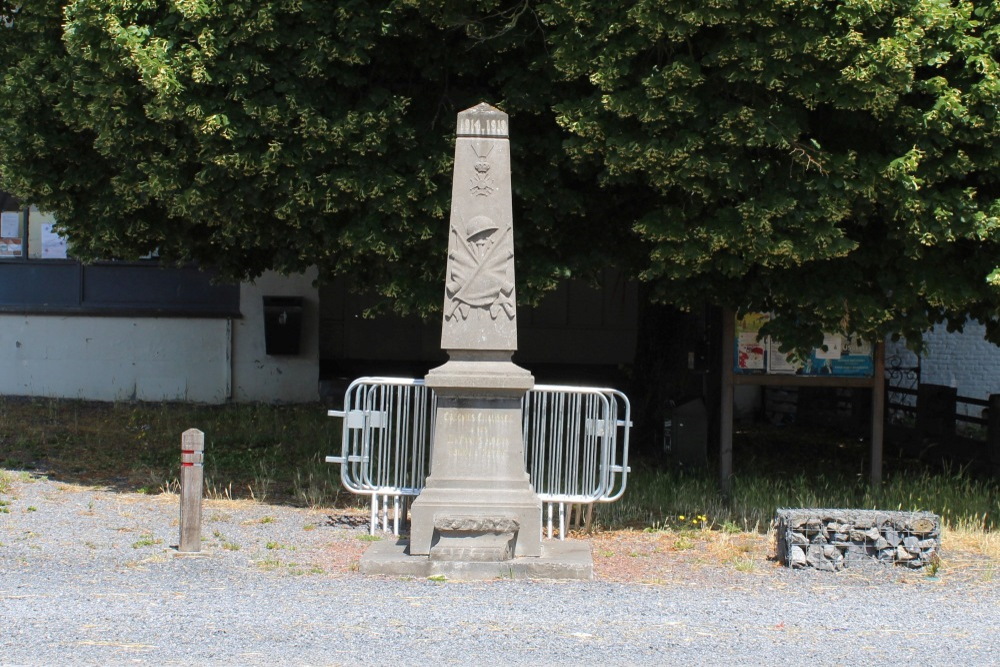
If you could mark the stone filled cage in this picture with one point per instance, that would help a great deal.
(832, 539)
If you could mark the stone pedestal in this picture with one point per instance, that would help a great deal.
(478, 502)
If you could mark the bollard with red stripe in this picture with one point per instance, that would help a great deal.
(192, 481)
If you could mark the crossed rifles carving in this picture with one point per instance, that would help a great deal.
(480, 270)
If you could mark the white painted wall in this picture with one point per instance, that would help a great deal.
(113, 358)
(201, 360)
(276, 379)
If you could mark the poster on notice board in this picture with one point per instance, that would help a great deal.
(839, 356)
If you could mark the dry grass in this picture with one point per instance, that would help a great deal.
(696, 557)
(981, 542)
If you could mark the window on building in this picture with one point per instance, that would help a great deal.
(39, 275)
(30, 234)
(12, 228)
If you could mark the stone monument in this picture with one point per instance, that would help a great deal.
(478, 515)
(478, 504)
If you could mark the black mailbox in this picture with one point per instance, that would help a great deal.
(282, 324)
(686, 435)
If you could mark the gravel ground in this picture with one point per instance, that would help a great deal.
(91, 576)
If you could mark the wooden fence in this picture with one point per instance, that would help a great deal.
(932, 428)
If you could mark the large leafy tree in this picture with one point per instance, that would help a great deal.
(834, 162)
(253, 135)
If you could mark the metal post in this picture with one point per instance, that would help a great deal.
(878, 412)
(993, 434)
(726, 407)
(192, 481)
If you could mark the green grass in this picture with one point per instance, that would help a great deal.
(146, 541)
(657, 499)
(251, 451)
(275, 454)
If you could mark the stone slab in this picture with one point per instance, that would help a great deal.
(570, 559)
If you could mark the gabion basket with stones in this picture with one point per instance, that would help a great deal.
(832, 539)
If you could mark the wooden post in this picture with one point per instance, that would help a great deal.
(726, 404)
(878, 412)
(993, 434)
(192, 480)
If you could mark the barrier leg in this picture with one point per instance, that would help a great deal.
(385, 514)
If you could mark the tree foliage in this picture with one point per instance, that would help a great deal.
(836, 163)
(254, 135)
(833, 162)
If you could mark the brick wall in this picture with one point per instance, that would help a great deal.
(966, 361)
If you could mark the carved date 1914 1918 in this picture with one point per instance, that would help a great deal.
(487, 127)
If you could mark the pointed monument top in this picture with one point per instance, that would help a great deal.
(482, 120)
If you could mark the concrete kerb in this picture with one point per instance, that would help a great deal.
(563, 560)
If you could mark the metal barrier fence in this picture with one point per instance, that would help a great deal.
(573, 452)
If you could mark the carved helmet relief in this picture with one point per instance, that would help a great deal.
(480, 269)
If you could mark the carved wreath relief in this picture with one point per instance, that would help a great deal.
(482, 182)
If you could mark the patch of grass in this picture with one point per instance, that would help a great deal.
(730, 528)
(369, 538)
(146, 541)
(269, 564)
(275, 545)
(683, 543)
(224, 543)
(298, 570)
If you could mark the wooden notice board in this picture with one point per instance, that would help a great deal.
(857, 373)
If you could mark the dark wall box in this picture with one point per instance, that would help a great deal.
(283, 324)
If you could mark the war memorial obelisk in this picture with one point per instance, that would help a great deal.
(478, 515)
